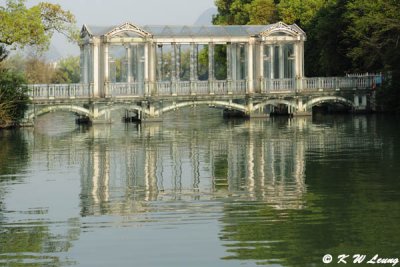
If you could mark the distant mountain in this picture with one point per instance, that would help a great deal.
(206, 17)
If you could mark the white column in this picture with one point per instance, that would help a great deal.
(178, 62)
(364, 101)
(95, 68)
(192, 61)
(211, 62)
(106, 69)
(173, 62)
(152, 65)
(234, 61)
(356, 102)
(160, 64)
(85, 64)
(281, 63)
(81, 63)
(250, 73)
(146, 67)
(261, 66)
(272, 60)
(129, 63)
(229, 61)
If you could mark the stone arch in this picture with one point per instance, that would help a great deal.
(223, 104)
(115, 107)
(327, 99)
(73, 109)
(274, 102)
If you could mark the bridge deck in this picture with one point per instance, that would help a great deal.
(177, 89)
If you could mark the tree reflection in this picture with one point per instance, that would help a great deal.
(347, 210)
(22, 242)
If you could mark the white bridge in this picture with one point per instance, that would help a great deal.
(151, 70)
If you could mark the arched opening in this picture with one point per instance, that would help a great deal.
(330, 105)
(275, 107)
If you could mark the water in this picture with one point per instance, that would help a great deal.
(197, 190)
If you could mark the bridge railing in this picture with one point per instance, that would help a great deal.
(319, 83)
(59, 91)
(126, 89)
(278, 85)
(216, 87)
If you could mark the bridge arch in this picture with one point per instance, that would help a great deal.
(275, 102)
(213, 103)
(122, 106)
(68, 108)
(328, 99)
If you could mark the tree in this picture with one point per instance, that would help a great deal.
(13, 99)
(300, 12)
(22, 26)
(262, 12)
(244, 12)
(67, 71)
(38, 71)
(375, 27)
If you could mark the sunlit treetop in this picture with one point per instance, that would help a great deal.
(22, 26)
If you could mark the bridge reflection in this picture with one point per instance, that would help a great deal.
(249, 161)
(191, 167)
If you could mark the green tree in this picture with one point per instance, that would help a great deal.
(375, 27)
(22, 26)
(244, 12)
(38, 71)
(300, 12)
(13, 99)
(67, 71)
(262, 12)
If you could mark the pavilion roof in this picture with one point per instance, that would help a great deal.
(172, 31)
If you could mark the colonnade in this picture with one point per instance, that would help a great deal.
(144, 64)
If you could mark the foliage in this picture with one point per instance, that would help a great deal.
(22, 26)
(38, 71)
(342, 36)
(67, 71)
(245, 12)
(13, 99)
(300, 12)
(375, 26)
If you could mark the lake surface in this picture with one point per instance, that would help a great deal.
(198, 190)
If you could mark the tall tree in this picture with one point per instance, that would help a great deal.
(300, 12)
(22, 26)
(375, 26)
(242, 12)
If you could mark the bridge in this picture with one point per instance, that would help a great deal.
(150, 70)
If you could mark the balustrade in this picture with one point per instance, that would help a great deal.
(126, 89)
(217, 87)
(59, 91)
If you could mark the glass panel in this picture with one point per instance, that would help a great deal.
(288, 60)
(220, 62)
(276, 62)
(267, 62)
(202, 62)
(164, 59)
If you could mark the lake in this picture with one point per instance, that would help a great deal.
(200, 190)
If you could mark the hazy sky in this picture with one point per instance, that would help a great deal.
(141, 12)
(106, 12)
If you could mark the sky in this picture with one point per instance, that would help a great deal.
(140, 12)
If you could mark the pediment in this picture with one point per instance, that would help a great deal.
(283, 29)
(128, 30)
